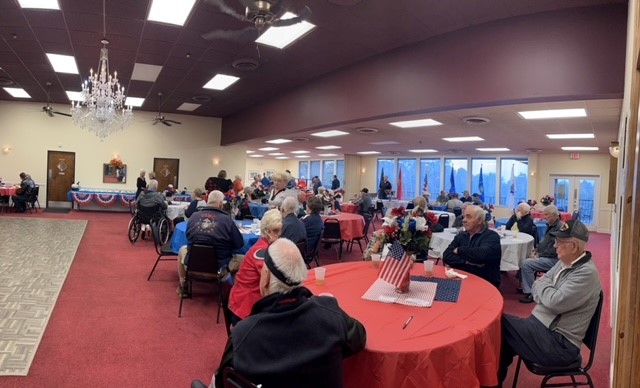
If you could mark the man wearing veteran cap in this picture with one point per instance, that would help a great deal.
(309, 334)
(566, 296)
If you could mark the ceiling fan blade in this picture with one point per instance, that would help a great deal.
(306, 12)
(165, 123)
(238, 35)
(173, 121)
(276, 7)
(49, 112)
(227, 9)
(62, 114)
(155, 122)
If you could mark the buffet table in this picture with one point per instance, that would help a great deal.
(445, 345)
(110, 200)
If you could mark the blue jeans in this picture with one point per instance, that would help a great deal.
(531, 266)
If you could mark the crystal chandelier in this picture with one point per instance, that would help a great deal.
(101, 108)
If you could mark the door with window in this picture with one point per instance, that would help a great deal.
(167, 172)
(61, 172)
(573, 192)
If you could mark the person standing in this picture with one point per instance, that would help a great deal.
(384, 188)
(141, 183)
(238, 186)
(566, 298)
(335, 183)
(316, 184)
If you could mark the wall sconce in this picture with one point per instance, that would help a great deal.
(364, 170)
(6, 149)
(533, 173)
(215, 161)
(614, 149)
(115, 156)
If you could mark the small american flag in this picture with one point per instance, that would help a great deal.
(396, 265)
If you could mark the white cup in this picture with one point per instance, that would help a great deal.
(503, 228)
(428, 267)
(375, 259)
(320, 273)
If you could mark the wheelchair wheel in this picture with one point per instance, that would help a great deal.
(134, 229)
(163, 229)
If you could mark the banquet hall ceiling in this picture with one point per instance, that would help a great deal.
(347, 32)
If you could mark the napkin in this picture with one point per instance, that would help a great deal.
(451, 273)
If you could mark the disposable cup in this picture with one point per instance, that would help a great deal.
(503, 228)
(375, 259)
(428, 268)
(320, 272)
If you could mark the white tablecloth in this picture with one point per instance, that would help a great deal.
(176, 210)
(514, 250)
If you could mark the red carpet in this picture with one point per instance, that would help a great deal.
(112, 328)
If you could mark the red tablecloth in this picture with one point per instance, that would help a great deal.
(446, 345)
(11, 190)
(564, 216)
(351, 225)
(348, 207)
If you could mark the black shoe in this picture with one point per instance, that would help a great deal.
(519, 290)
(527, 299)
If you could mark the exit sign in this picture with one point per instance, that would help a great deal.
(574, 155)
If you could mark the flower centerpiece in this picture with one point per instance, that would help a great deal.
(116, 163)
(547, 200)
(411, 229)
(232, 203)
(532, 202)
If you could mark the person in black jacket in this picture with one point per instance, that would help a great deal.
(476, 250)
(141, 183)
(524, 221)
(292, 227)
(280, 324)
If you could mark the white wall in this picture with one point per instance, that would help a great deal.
(30, 133)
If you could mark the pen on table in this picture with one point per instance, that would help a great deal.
(407, 322)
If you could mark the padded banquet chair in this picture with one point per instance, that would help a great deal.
(162, 249)
(372, 212)
(365, 232)
(225, 281)
(457, 211)
(311, 253)
(32, 199)
(575, 368)
(233, 379)
(575, 215)
(443, 220)
(203, 267)
(332, 235)
(4, 203)
(379, 209)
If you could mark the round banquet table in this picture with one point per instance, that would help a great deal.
(348, 207)
(8, 190)
(179, 238)
(351, 225)
(564, 216)
(514, 250)
(176, 210)
(258, 209)
(446, 345)
(540, 225)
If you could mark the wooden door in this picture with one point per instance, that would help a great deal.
(167, 172)
(61, 174)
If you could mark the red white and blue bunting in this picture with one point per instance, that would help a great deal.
(125, 198)
(82, 199)
(106, 199)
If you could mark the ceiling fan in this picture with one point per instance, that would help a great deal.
(160, 118)
(48, 109)
(261, 13)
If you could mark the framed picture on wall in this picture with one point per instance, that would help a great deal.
(252, 173)
(268, 173)
(114, 174)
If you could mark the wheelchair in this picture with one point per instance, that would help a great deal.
(148, 216)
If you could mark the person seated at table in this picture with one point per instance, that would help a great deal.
(256, 184)
(291, 183)
(522, 218)
(477, 249)
(209, 226)
(141, 183)
(313, 224)
(23, 192)
(238, 186)
(280, 190)
(566, 296)
(246, 291)
(197, 202)
(170, 191)
(292, 227)
(309, 334)
(453, 202)
(443, 198)
(363, 201)
(544, 257)
(466, 197)
(302, 183)
(220, 183)
(476, 200)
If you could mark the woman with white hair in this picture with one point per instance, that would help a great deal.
(246, 290)
(280, 190)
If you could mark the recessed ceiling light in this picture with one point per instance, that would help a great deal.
(388, 142)
(423, 151)
(17, 92)
(571, 136)
(282, 157)
(368, 152)
(302, 156)
(170, 11)
(278, 141)
(462, 139)
(281, 37)
(300, 152)
(63, 63)
(256, 156)
(187, 106)
(144, 72)
(74, 96)
(553, 114)
(134, 101)
(416, 123)
(268, 149)
(251, 152)
(220, 82)
(276, 154)
(580, 148)
(498, 149)
(330, 133)
(327, 154)
(39, 4)
(329, 147)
